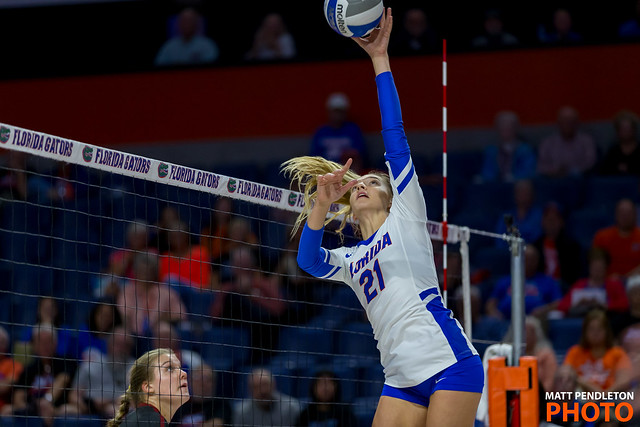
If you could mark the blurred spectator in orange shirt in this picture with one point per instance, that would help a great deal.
(185, 264)
(601, 365)
(621, 241)
(10, 369)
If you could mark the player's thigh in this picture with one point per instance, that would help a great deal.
(397, 412)
(448, 408)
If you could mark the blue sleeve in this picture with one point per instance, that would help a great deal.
(312, 258)
(397, 151)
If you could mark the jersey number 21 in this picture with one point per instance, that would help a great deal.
(367, 281)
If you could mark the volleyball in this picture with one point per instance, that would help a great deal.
(353, 18)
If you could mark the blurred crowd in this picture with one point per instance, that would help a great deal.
(100, 269)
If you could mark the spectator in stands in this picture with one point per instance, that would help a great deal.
(595, 291)
(623, 158)
(569, 151)
(157, 388)
(511, 158)
(120, 268)
(339, 136)
(621, 241)
(204, 408)
(13, 179)
(561, 255)
(494, 36)
(10, 368)
(215, 236)
(41, 390)
(561, 31)
(190, 46)
(630, 342)
(101, 379)
(103, 318)
(272, 40)
(165, 335)
(565, 381)
(417, 36)
(630, 29)
(144, 301)
(527, 215)
(251, 300)
(169, 215)
(266, 406)
(48, 313)
(623, 320)
(537, 344)
(185, 264)
(600, 365)
(541, 292)
(302, 294)
(326, 406)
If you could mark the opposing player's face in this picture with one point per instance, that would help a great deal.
(371, 192)
(170, 380)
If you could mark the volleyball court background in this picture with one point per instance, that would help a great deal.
(66, 212)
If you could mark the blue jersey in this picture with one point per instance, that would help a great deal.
(393, 272)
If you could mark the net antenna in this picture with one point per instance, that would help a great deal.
(445, 215)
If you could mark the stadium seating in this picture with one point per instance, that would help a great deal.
(312, 341)
(225, 348)
(564, 333)
(356, 338)
(20, 421)
(364, 409)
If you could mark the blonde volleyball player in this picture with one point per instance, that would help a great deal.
(433, 375)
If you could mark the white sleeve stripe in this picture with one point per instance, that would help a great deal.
(429, 298)
(331, 273)
(405, 172)
(326, 255)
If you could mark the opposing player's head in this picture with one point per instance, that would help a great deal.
(157, 379)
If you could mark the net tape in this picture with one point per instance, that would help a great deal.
(109, 160)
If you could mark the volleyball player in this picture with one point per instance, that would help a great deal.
(157, 388)
(433, 375)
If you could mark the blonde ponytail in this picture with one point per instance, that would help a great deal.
(123, 410)
(304, 172)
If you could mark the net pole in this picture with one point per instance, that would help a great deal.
(517, 298)
(445, 228)
(466, 281)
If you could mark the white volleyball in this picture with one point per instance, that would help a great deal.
(353, 18)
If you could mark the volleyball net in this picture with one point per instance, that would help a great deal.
(118, 254)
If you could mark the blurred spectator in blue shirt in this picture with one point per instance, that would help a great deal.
(527, 215)
(494, 36)
(272, 40)
(561, 31)
(511, 158)
(417, 36)
(340, 137)
(190, 46)
(630, 29)
(541, 292)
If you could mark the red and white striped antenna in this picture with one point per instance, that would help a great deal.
(445, 229)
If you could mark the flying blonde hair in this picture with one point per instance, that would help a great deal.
(304, 172)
